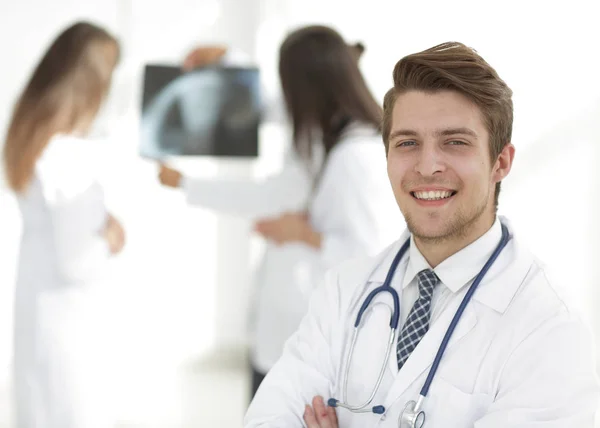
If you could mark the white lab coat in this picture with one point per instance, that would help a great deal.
(519, 357)
(352, 206)
(61, 250)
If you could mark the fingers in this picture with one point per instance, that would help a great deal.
(332, 416)
(203, 56)
(325, 417)
(115, 236)
(188, 64)
(309, 418)
(162, 174)
(319, 415)
(169, 177)
(261, 227)
(270, 230)
(162, 170)
(265, 227)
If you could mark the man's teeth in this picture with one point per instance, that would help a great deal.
(433, 195)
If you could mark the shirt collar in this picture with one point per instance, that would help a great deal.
(459, 269)
(501, 282)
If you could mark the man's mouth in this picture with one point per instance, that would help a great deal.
(433, 195)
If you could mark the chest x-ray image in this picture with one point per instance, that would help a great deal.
(213, 111)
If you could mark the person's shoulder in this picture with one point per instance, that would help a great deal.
(542, 297)
(70, 165)
(361, 146)
(548, 291)
(553, 296)
(545, 311)
(358, 135)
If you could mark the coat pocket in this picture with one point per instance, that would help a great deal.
(449, 407)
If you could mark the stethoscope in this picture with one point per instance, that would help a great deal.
(412, 416)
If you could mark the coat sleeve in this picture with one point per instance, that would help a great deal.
(76, 204)
(78, 220)
(287, 191)
(362, 212)
(306, 368)
(549, 381)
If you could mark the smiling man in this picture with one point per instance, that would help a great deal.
(478, 337)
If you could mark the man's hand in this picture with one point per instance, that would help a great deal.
(203, 56)
(290, 227)
(320, 416)
(114, 235)
(169, 177)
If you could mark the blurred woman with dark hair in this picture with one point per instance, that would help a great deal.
(67, 232)
(331, 201)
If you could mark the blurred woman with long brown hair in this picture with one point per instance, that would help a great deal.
(67, 232)
(332, 199)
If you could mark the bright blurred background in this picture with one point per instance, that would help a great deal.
(172, 317)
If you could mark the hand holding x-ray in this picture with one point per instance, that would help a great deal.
(203, 56)
(169, 177)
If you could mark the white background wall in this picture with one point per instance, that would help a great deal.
(176, 294)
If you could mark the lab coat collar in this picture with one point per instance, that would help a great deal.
(498, 286)
(496, 291)
(470, 261)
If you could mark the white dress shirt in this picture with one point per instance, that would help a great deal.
(452, 279)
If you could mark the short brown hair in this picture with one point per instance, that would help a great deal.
(454, 66)
(66, 89)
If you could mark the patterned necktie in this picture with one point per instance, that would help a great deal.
(417, 322)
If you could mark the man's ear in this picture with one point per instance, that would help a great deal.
(504, 163)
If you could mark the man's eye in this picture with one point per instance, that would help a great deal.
(406, 143)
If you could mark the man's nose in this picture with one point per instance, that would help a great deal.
(429, 161)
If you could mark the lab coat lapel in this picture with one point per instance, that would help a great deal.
(422, 357)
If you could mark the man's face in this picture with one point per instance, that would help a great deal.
(439, 164)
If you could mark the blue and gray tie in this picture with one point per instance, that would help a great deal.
(417, 323)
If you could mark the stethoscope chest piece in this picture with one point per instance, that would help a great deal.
(411, 416)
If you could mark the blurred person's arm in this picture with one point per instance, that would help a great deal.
(286, 191)
(360, 208)
(85, 234)
(290, 227)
